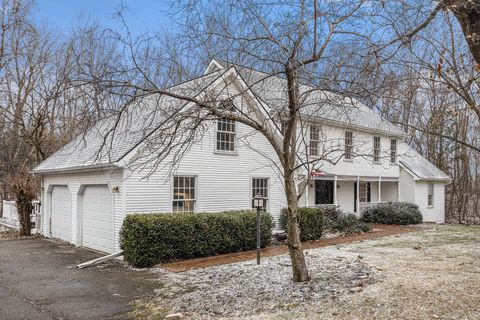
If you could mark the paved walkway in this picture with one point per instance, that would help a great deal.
(39, 280)
(378, 231)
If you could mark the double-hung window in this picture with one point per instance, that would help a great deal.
(184, 194)
(226, 130)
(376, 149)
(314, 140)
(430, 194)
(226, 135)
(393, 151)
(348, 145)
(260, 186)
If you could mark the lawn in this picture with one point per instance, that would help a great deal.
(429, 274)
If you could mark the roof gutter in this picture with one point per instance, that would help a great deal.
(361, 128)
(76, 169)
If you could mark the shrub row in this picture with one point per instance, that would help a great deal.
(149, 239)
(313, 222)
(393, 213)
(310, 221)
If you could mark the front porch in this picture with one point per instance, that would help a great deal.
(350, 193)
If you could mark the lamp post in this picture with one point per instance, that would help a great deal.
(258, 203)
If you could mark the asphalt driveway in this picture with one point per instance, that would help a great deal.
(38, 280)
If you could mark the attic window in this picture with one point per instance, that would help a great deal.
(227, 105)
(226, 130)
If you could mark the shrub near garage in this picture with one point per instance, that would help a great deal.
(148, 239)
(401, 213)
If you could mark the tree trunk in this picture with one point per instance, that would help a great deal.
(468, 16)
(24, 209)
(299, 267)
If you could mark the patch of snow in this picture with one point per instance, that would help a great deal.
(244, 288)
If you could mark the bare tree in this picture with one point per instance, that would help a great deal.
(292, 43)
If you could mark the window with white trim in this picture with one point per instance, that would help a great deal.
(184, 194)
(430, 194)
(260, 186)
(314, 140)
(393, 151)
(376, 149)
(226, 135)
(348, 145)
(364, 192)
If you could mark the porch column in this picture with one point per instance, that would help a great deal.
(358, 195)
(380, 189)
(335, 190)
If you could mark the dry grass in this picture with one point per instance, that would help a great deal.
(432, 274)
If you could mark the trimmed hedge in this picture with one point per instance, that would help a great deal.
(310, 221)
(393, 213)
(149, 239)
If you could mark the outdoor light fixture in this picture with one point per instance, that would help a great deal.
(258, 203)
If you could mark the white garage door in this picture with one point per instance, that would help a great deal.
(97, 218)
(61, 213)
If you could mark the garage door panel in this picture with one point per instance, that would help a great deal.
(61, 213)
(97, 218)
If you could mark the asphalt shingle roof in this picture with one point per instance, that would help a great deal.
(421, 167)
(317, 104)
(110, 139)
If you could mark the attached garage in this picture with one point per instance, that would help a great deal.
(97, 218)
(61, 213)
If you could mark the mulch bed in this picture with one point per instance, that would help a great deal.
(378, 231)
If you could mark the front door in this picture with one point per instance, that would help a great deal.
(323, 192)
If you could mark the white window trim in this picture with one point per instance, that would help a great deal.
(366, 191)
(269, 192)
(396, 151)
(377, 161)
(433, 194)
(172, 191)
(317, 148)
(345, 147)
(226, 152)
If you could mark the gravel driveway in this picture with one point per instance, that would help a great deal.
(38, 280)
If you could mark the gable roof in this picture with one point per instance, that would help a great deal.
(420, 167)
(112, 138)
(318, 105)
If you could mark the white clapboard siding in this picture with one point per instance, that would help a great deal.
(435, 213)
(223, 180)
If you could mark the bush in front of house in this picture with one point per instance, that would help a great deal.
(149, 239)
(310, 222)
(350, 224)
(393, 213)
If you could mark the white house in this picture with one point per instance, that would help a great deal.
(89, 189)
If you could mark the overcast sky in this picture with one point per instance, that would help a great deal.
(141, 15)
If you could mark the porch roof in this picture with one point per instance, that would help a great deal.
(331, 176)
